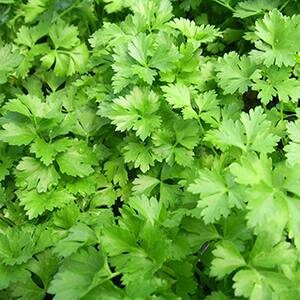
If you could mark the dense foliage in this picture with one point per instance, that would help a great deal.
(150, 149)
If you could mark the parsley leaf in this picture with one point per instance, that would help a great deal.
(37, 203)
(218, 195)
(250, 8)
(137, 111)
(74, 268)
(277, 39)
(9, 60)
(294, 145)
(251, 132)
(33, 174)
(227, 259)
(77, 160)
(235, 73)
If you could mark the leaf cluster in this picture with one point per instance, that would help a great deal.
(149, 149)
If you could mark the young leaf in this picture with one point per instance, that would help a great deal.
(227, 259)
(77, 160)
(251, 132)
(250, 8)
(255, 284)
(9, 61)
(278, 84)
(217, 195)
(36, 204)
(137, 111)
(47, 152)
(235, 73)
(141, 155)
(292, 149)
(144, 184)
(277, 39)
(33, 174)
(178, 95)
(17, 134)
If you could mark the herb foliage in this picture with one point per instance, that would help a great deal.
(150, 149)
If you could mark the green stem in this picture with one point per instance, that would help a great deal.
(67, 10)
(281, 111)
(224, 5)
(284, 5)
(7, 221)
(291, 115)
(200, 125)
(214, 151)
(169, 271)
